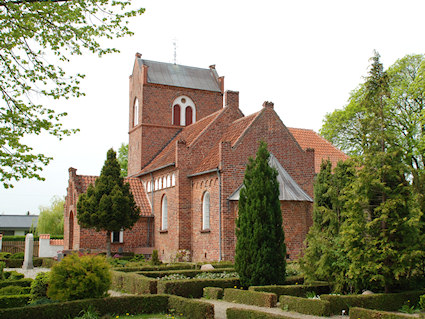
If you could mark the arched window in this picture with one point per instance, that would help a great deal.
(168, 181)
(176, 114)
(183, 111)
(156, 184)
(173, 180)
(189, 115)
(136, 112)
(148, 186)
(164, 213)
(206, 211)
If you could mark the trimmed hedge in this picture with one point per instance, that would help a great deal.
(186, 272)
(294, 290)
(17, 263)
(13, 301)
(13, 275)
(294, 280)
(133, 283)
(236, 313)
(256, 298)
(213, 293)
(15, 290)
(24, 282)
(361, 313)
(388, 302)
(192, 288)
(156, 268)
(114, 305)
(306, 306)
(193, 309)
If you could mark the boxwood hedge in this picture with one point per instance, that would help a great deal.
(294, 290)
(314, 307)
(7, 301)
(213, 293)
(356, 313)
(193, 288)
(133, 283)
(256, 298)
(236, 313)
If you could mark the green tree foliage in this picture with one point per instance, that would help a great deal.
(379, 242)
(79, 278)
(123, 159)
(321, 260)
(108, 205)
(37, 38)
(260, 248)
(51, 218)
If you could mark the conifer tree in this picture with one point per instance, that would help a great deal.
(321, 258)
(380, 233)
(108, 205)
(260, 248)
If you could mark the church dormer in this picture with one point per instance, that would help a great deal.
(183, 111)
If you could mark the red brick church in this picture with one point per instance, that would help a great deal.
(187, 156)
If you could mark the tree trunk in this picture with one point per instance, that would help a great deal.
(108, 244)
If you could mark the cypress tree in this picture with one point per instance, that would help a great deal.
(108, 205)
(260, 248)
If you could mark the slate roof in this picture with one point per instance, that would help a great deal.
(181, 75)
(18, 221)
(136, 186)
(322, 148)
(289, 190)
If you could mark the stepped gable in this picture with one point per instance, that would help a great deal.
(232, 134)
(322, 148)
(189, 133)
(136, 188)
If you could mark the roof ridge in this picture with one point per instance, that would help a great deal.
(186, 66)
(219, 112)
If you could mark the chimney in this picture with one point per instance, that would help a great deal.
(145, 74)
(221, 83)
(268, 104)
(212, 66)
(231, 99)
(138, 55)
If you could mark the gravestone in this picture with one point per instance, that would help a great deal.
(29, 247)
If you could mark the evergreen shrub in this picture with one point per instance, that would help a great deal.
(133, 283)
(7, 301)
(256, 298)
(193, 288)
(362, 313)
(213, 293)
(13, 275)
(294, 290)
(193, 309)
(79, 277)
(19, 255)
(237, 313)
(5, 255)
(2, 266)
(315, 307)
(387, 302)
(155, 259)
(114, 305)
(24, 282)
(39, 286)
(14, 290)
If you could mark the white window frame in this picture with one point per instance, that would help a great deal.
(164, 213)
(206, 205)
(188, 103)
(121, 237)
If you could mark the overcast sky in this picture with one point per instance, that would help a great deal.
(305, 56)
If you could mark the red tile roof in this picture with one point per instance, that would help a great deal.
(136, 188)
(189, 134)
(232, 134)
(322, 148)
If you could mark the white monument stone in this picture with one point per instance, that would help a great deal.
(29, 247)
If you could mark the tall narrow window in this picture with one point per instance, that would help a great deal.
(176, 115)
(206, 211)
(164, 213)
(136, 112)
(189, 115)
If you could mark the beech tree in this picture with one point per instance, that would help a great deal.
(37, 38)
(108, 205)
(260, 248)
